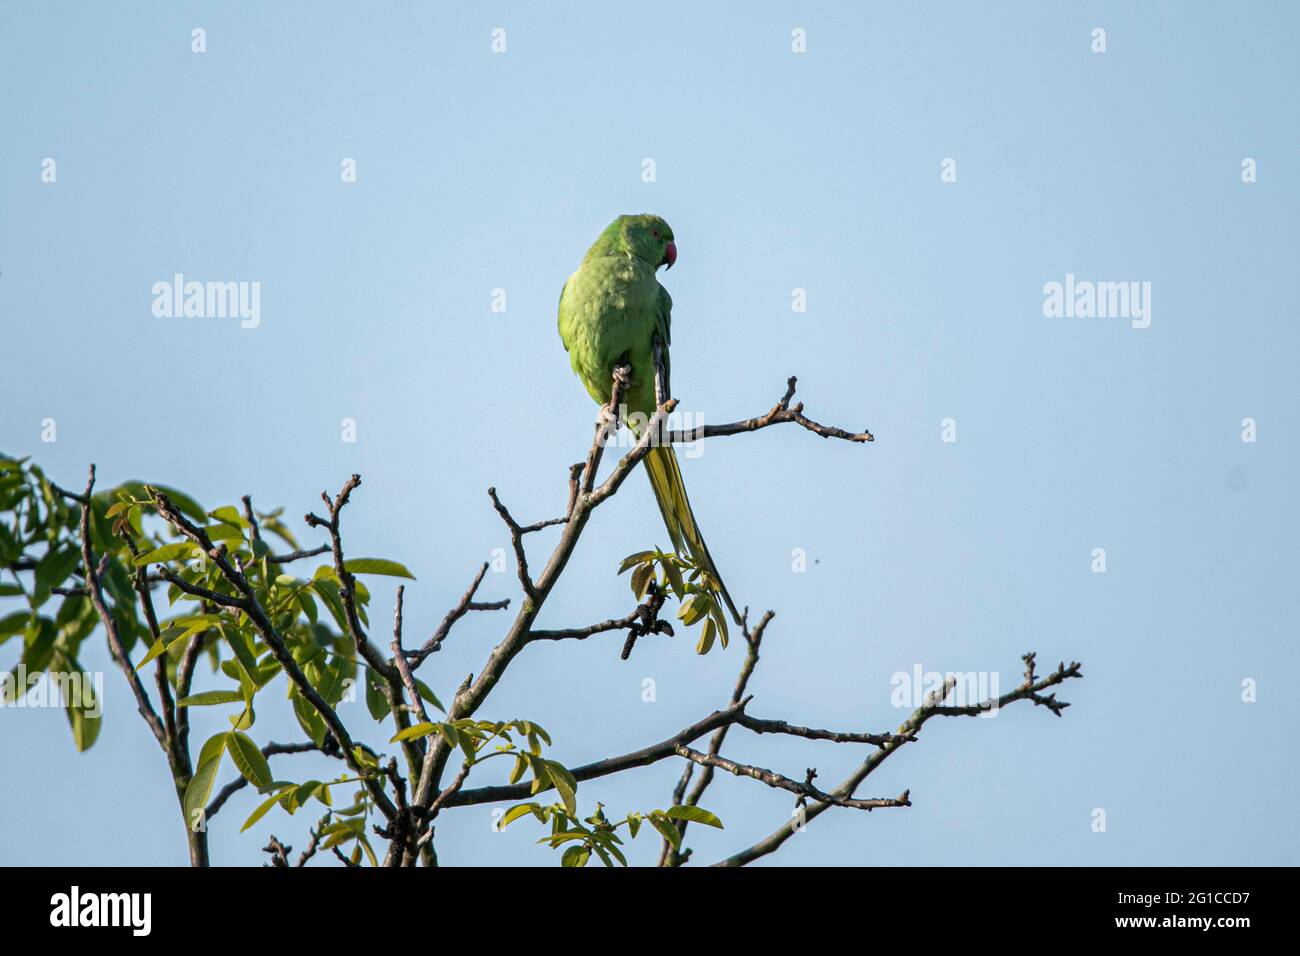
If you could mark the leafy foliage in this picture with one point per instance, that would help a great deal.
(693, 586)
(146, 562)
(598, 834)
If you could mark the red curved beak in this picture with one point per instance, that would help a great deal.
(670, 255)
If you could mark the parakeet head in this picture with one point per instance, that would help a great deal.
(648, 238)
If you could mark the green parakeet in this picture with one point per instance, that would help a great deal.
(611, 311)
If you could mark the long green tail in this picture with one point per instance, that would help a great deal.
(670, 492)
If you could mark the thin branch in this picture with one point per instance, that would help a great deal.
(603, 768)
(466, 604)
(347, 583)
(606, 426)
(643, 620)
(907, 731)
(279, 853)
(780, 413)
(803, 790)
(517, 541)
(184, 679)
(575, 485)
(298, 555)
(399, 657)
(315, 832)
(441, 801)
(539, 525)
(93, 573)
(251, 518)
(812, 733)
(195, 590)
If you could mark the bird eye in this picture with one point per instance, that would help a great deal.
(655, 233)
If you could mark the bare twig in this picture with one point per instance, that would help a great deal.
(606, 426)
(399, 657)
(279, 853)
(315, 832)
(780, 413)
(642, 621)
(907, 731)
(298, 555)
(466, 604)
(803, 790)
(812, 733)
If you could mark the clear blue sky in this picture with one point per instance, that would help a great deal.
(777, 171)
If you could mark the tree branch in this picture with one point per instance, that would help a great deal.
(780, 413)
(907, 731)
(466, 604)
(803, 790)
(610, 765)
(248, 603)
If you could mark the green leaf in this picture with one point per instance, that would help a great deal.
(228, 514)
(565, 785)
(707, 636)
(330, 684)
(243, 650)
(209, 697)
(694, 608)
(370, 853)
(422, 729)
(641, 579)
(310, 721)
(85, 725)
(200, 787)
(575, 856)
(117, 508)
(13, 623)
(514, 813)
(377, 566)
(51, 571)
(159, 647)
(376, 699)
(308, 605)
(632, 560)
(329, 593)
(694, 814)
(674, 575)
(248, 758)
(262, 809)
(428, 695)
(168, 552)
(666, 830)
(720, 619)
(521, 765)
